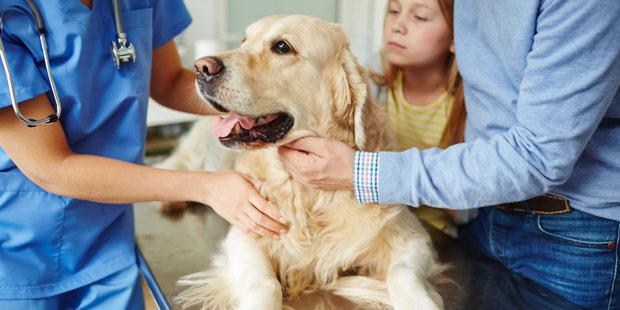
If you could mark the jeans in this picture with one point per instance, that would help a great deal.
(574, 255)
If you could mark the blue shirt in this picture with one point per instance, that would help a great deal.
(542, 95)
(51, 244)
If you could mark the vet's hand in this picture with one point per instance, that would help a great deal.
(319, 163)
(234, 197)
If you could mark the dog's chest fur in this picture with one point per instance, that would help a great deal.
(321, 225)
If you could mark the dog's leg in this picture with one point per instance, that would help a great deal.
(253, 279)
(411, 268)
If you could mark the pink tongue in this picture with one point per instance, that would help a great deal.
(224, 125)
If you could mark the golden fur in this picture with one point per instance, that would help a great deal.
(377, 256)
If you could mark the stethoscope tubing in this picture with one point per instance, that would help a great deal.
(36, 16)
(38, 19)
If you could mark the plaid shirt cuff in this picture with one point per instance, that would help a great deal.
(366, 177)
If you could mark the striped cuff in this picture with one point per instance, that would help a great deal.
(366, 177)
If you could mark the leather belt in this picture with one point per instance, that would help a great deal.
(546, 204)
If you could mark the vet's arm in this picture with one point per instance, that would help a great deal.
(172, 85)
(44, 156)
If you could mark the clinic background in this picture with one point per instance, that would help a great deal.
(219, 25)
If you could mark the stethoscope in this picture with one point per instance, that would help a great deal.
(122, 51)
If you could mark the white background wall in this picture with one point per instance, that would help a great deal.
(213, 19)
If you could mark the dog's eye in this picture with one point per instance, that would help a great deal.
(281, 47)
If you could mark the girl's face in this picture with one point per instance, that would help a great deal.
(416, 33)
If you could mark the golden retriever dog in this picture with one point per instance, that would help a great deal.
(294, 76)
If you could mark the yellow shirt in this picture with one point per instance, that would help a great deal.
(420, 127)
(417, 126)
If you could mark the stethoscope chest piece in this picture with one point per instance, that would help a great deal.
(122, 51)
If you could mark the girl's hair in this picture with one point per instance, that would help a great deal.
(455, 127)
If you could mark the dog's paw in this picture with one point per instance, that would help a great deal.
(173, 210)
(171, 207)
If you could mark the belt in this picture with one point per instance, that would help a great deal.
(546, 204)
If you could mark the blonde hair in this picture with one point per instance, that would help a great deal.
(454, 131)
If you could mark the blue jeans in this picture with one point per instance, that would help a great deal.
(574, 255)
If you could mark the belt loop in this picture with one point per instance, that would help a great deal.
(526, 206)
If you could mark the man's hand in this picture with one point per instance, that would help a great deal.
(319, 163)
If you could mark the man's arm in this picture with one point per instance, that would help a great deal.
(572, 75)
(173, 86)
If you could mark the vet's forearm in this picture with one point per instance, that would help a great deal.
(107, 180)
(182, 96)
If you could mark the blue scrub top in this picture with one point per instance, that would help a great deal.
(51, 244)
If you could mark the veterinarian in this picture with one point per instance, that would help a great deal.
(66, 223)
(542, 150)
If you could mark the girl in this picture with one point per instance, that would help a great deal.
(419, 81)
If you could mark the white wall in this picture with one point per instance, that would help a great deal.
(363, 22)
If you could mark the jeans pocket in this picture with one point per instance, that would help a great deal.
(580, 229)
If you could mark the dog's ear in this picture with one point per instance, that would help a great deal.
(350, 96)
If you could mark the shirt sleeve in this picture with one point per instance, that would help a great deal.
(170, 18)
(571, 78)
(366, 177)
(27, 79)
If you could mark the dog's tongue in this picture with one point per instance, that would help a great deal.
(224, 125)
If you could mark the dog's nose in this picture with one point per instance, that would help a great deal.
(209, 66)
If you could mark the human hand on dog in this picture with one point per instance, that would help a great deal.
(234, 197)
(319, 163)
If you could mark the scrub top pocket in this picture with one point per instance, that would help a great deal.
(31, 225)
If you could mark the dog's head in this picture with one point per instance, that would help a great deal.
(292, 76)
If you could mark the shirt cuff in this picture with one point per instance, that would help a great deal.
(366, 177)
